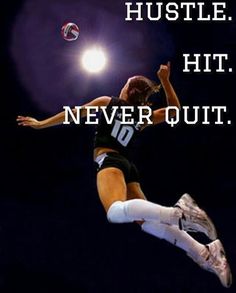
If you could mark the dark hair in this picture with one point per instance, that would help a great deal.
(140, 88)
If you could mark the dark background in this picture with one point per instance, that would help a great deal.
(54, 236)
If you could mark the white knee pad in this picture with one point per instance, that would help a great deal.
(117, 213)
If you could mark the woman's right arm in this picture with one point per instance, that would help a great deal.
(36, 124)
(60, 117)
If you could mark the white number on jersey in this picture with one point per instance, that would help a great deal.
(123, 133)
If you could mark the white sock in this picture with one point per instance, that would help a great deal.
(142, 210)
(175, 236)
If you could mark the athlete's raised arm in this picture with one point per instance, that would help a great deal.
(171, 97)
(60, 117)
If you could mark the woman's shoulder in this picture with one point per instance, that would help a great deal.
(115, 101)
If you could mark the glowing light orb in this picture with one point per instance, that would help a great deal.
(94, 60)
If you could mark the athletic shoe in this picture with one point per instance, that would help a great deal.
(214, 260)
(193, 218)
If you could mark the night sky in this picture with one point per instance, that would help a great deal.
(54, 236)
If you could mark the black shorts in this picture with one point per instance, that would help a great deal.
(116, 160)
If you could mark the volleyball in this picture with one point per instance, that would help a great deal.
(70, 31)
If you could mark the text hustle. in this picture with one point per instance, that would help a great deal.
(173, 11)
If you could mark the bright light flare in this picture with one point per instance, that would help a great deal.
(94, 60)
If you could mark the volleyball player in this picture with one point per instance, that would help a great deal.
(118, 181)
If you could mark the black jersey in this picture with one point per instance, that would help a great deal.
(116, 135)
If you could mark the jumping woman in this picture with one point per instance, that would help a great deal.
(118, 180)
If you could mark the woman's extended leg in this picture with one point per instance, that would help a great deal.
(113, 194)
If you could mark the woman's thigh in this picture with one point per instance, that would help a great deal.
(111, 186)
(134, 190)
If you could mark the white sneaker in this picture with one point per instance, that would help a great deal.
(195, 219)
(215, 261)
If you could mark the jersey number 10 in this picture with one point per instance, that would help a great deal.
(123, 133)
